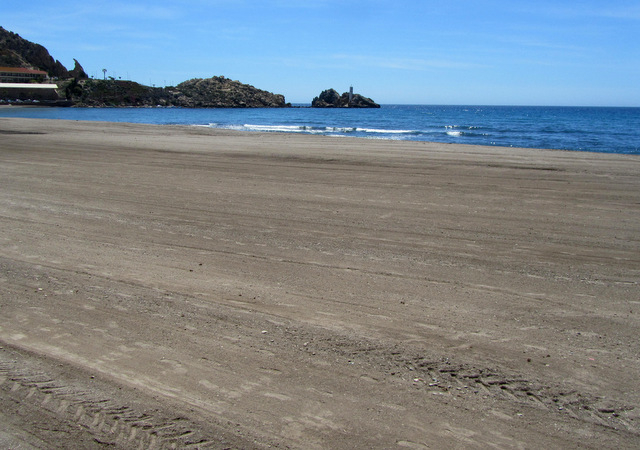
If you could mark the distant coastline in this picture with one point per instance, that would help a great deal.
(29, 74)
(43, 80)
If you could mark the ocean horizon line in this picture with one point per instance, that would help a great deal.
(308, 104)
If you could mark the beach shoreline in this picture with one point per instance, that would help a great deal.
(601, 130)
(269, 289)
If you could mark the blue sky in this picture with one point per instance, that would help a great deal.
(547, 52)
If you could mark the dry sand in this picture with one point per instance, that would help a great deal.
(173, 286)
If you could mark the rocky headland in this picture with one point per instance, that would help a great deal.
(215, 92)
(75, 88)
(222, 92)
(331, 99)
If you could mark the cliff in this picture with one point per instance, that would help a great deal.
(18, 52)
(331, 99)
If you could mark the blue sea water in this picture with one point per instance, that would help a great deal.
(595, 129)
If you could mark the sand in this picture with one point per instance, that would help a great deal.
(172, 286)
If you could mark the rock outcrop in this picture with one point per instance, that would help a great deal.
(216, 92)
(78, 72)
(221, 92)
(100, 93)
(327, 99)
(331, 99)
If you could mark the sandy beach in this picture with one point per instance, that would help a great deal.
(182, 286)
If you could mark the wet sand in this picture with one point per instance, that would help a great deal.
(182, 286)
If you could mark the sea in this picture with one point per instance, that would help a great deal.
(591, 129)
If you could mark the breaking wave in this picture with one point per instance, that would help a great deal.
(308, 129)
(373, 133)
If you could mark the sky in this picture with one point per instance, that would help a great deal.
(457, 52)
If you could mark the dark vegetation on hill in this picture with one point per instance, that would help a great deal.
(215, 92)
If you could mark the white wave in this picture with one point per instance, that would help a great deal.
(226, 127)
(454, 133)
(283, 128)
(374, 130)
(340, 129)
(308, 129)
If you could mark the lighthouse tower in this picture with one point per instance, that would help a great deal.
(350, 94)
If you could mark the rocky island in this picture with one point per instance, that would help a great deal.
(331, 99)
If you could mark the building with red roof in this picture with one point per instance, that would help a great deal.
(22, 75)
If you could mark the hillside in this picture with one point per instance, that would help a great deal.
(215, 92)
(18, 52)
